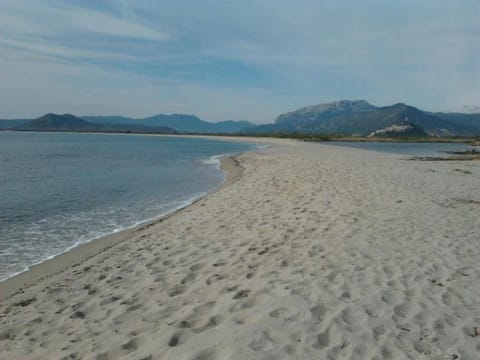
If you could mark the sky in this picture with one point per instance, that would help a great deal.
(235, 60)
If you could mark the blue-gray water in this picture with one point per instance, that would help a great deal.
(410, 149)
(58, 190)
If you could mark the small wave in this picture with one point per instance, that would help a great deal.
(169, 208)
(262, 147)
(214, 160)
(42, 239)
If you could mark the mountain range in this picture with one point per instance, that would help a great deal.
(344, 117)
(359, 117)
(177, 122)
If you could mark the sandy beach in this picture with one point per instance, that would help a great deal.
(308, 251)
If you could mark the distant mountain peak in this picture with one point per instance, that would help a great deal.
(325, 111)
(52, 121)
(347, 102)
(69, 122)
(340, 105)
(358, 117)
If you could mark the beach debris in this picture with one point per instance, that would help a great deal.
(476, 331)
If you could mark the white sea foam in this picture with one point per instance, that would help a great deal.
(214, 160)
(169, 208)
(262, 147)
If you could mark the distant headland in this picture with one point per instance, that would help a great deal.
(341, 118)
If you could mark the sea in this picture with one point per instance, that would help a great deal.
(60, 190)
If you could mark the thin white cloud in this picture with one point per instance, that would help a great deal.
(118, 57)
(53, 85)
(56, 51)
(105, 24)
(34, 18)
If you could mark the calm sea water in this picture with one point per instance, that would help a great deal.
(58, 190)
(410, 149)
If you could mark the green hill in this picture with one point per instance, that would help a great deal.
(54, 122)
(68, 122)
(358, 117)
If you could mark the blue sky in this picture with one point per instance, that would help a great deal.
(222, 59)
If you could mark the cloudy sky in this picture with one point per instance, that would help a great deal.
(242, 59)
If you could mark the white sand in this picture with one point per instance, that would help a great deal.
(316, 252)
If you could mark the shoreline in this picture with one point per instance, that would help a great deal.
(471, 140)
(314, 251)
(76, 255)
(79, 254)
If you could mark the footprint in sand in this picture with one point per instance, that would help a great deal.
(188, 279)
(212, 322)
(175, 340)
(323, 340)
(261, 341)
(130, 345)
(209, 354)
(177, 291)
(318, 312)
